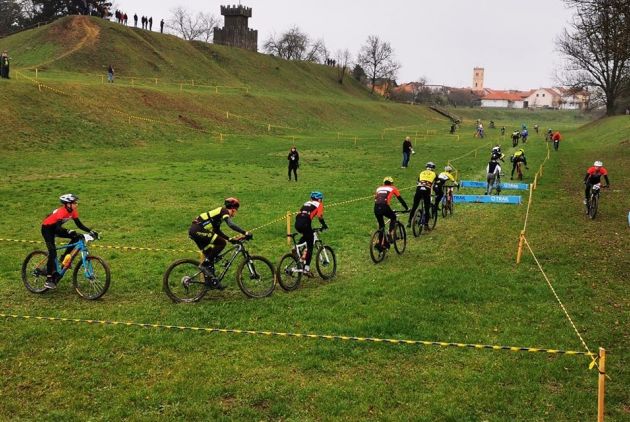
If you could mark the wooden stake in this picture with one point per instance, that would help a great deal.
(288, 227)
(156, 81)
(36, 73)
(102, 79)
(601, 390)
(519, 252)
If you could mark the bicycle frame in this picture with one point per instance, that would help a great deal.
(301, 247)
(77, 247)
(236, 251)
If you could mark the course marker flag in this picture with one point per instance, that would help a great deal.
(483, 185)
(487, 199)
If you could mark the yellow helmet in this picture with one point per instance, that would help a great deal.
(389, 180)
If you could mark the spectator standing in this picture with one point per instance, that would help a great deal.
(151, 23)
(135, 20)
(407, 150)
(4, 64)
(110, 74)
(162, 26)
(126, 19)
(294, 162)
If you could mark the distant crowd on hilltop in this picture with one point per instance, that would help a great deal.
(146, 22)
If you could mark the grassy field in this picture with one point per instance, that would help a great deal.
(141, 183)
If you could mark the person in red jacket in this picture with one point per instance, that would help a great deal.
(556, 140)
(594, 176)
(52, 226)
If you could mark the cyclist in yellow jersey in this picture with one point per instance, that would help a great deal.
(518, 157)
(440, 181)
(426, 178)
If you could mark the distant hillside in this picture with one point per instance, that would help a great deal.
(88, 44)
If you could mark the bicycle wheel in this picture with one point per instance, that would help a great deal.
(434, 218)
(289, 272)
(519, 170)
(326, 262)
(377, 252)
(34, 271)
(416, 222)
(592, 209)
(94, 279)
(183, 281)
(451, 205)
(400, 238)
(444, 207)
(260, 278)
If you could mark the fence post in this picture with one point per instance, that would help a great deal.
(269, 127)
(192, 82)
(519, 252)
(601, 387)
(39, 86)
(221, 137)
(36, 73)
(227, 114)
(156, 81)
(355, 141)
(216, 89)
(102, 80)
(288, 227)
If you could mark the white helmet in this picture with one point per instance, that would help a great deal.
(598, 164)
(68, 198)
(448, 168)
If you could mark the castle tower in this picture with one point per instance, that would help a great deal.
(235, 31)
(477, 84)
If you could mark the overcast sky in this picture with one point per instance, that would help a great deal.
(442, 40)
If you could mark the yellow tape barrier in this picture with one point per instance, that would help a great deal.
(300, 335)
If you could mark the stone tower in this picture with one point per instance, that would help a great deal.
(235, 31)
(477, 79)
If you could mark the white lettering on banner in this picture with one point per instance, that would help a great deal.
(501, 199)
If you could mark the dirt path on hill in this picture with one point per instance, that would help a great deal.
(78, 25)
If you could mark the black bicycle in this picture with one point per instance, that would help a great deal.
(448, 205)
(381, 241)
(291, 266)
(593, 201)
(185, 282)
(424, 217)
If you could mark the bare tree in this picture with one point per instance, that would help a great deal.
(598, 48)
(377, 58)
(296, 45)
(343, 59)
(189, 26)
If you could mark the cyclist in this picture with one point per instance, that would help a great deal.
(382, 208)
(211, 240)
(536, 128)
(516, 135)
(493, 176)
(496, 153)
(548, 135)
(440, 181)
(502, 130)
(593, 176)
(311, 209)
(52, 226)
(426, 178)
(524, 134)
(556, 140)
(518, 157)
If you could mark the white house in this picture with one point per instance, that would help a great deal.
(543, 98)
(504, 99)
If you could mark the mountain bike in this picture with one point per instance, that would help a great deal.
(593, 201)
(447, 202)
(519, 170)
(380, 241)
(423, 217)
(291, 266)
(494, 183)
(184, 281)
(90, 278)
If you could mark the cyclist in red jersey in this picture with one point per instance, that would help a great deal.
(593, 176)
(52, 226)
(310, 210)
(382, 208)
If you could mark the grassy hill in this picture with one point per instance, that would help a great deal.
(142, 181)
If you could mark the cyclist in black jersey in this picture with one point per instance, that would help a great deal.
(303, 224)
(211, 240)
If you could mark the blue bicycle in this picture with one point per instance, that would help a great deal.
(90, 278)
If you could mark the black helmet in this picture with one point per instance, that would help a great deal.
(232, 203)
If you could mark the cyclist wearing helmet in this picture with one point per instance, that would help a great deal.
(382, 208)
(594, 176)
(426, 178)
(303, 224)
(205, 231)
(440, 181)
(496, 153)
(518, 157)
(493, 176)
(524, 134)
(516, 135)
(52, 226)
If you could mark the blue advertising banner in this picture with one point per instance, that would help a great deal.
(482, 185)
(487, 199)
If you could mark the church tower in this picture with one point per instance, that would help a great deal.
(477, 84)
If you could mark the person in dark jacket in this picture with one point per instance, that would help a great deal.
(294, 162)
(407, 150)
(4, 64)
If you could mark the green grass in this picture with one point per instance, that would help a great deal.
(142, 183)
